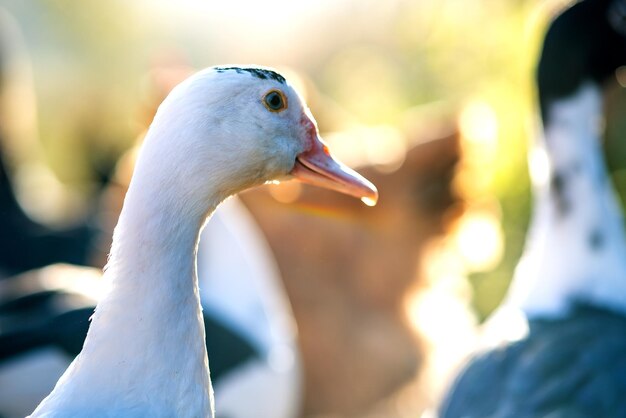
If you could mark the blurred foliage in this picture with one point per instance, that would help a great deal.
(377, 61)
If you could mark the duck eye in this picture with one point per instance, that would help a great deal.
(275, 101)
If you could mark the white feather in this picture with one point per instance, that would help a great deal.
(144, 354)
(559, 267)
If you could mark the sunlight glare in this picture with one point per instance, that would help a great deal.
(382, 146)
(241, 28)
(539, 166)
(385, 147)
(83, 280)
(44, 197)
(285, 192)
(479, 124)
(369, 201)
(479, 240)
(440, 313)
(245, 8)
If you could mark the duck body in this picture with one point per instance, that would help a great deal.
(262, 363)
(35, 357)
(567, 367)
(251, 338)
(219, 132)
(555, 346)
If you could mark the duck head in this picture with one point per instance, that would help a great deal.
(243, 126)
(586, 43)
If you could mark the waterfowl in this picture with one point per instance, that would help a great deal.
(555, 347)
(44, 318)
(221, 131)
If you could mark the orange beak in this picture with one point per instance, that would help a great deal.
(317, 167)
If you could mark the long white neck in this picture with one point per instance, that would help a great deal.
(145, 352)
(575, 251)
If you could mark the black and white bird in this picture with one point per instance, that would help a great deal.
(221, 131)
(557, 345)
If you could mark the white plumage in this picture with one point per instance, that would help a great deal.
(219, 132)
(252, 302)
(559, 260)
(240, 289)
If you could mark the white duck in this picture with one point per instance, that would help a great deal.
(221, 131)
(241, 290)
(44, 318)
(44, 314)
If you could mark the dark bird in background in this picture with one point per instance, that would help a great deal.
(556, 347)
(26, 244)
